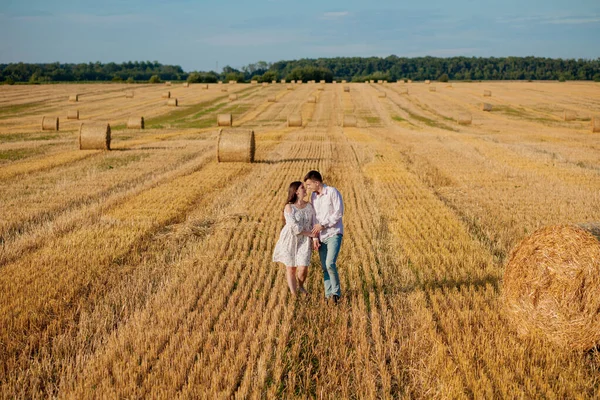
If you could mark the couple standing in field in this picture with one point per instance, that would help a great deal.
(315, 225)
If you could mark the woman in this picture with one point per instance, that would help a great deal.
(295, 244)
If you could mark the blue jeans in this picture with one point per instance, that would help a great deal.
(328, 253)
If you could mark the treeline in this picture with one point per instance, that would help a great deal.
(355, 69)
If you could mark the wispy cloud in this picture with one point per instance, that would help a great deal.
(105, 19)
(335, 15)
(552, 19)
(248, 39)
(572, 20)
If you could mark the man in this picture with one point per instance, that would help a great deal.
(328, 229)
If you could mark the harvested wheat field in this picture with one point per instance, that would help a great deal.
(145, 272)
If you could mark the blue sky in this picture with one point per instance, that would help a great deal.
(198, 34)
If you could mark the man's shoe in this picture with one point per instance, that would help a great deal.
(336, 298)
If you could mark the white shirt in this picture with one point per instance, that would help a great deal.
(329, 210)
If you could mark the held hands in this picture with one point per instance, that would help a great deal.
(316, 229)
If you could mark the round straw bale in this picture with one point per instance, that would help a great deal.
(290, 87)
(292, 82)
(273, 82)
(168, 83)
(333, 81)
(322, 81)
(381, 94)
(129, 94)
(50, 123)
(321, 87)
(186, 84)
(432, 88)
(403, 90)
(265, 84)
(349, 120)
(379, 81)
(235, 145)
(312, 81)
(344, 81)
(372, 81)
(224, 89)
(73, 114)
(464, 119)
(409, 81)
(596, 124)
(486, 107)
(283, 81)
(232, 82)
(570, 115)
(74, 98)
(253, 82)
(233, 97)
(298, 81)
(272, 99)
(94, 136)
(204, 87)
(346, 88)
(384, 81)
(135, 123)
(551, 285)
(295, 120)
(166, 95)
(220, 82)
(224, 120)
(427, 81)
(312, 99)
(172, 102)
(487, 93)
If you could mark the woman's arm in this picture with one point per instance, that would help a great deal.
(288, 213)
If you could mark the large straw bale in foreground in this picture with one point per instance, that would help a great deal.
(50, 123)
(551, 285)
(295, 120)
(94, 136)
(74, 98)
(73, 114)
(464, 119)
(204, 87)
(596, 124)
(349, 120)
(346, 88)
(253, 82)
(186, 84)
(486, 107)
(172, 102)
(224, 120)
(166, 95)
(135, 123)
(570, 115)
(235, 145)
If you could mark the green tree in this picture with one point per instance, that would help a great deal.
(154, 79)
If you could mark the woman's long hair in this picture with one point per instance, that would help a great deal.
(292, 196)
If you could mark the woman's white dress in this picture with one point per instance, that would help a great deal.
(293, 249)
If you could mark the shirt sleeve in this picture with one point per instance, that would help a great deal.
(337, 211)
(291, 221)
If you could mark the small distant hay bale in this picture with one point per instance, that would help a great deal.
(293, 82)
(384, 81)
(254, 82)
(380, 81)
(166, 95)
(372, 81)
(233, 97)
(349, 121)
(235, 145)
(273, 82)
(295, 120)
(403, 91)
(204, 87)
(344, 81)
(220, 82)
(73, 114)
(321, 87)
(312, 99)
(283, 81)
(224, 89)
(50, 123)
(289, 87)
(432, 88)
(224, 120)
(464, 119)
(486, 107)
(186, 84)
(94, 136)
(312, 81)
(551, 284)
(298, 81)
(570, 115)
(409, 81)
(129, 94)
(595, 124)
(272, 99)
(487, 93)
(232, 82)
(265, 84)
(427, 81)
(322, 81)
(381, 94)
(168, 83)
(135, 123)
(74, 98)
(346, 88)
(172, 102)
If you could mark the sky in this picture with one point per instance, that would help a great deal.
(201, 35)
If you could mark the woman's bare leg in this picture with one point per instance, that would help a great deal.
(301, 273)
(290, 273)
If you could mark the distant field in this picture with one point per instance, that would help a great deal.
(145, 271)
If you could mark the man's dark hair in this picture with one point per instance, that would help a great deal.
(313, 176)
